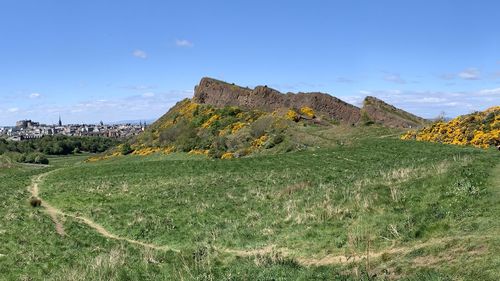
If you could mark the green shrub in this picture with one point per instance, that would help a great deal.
(126, 149)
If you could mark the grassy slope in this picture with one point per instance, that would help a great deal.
(312, 203)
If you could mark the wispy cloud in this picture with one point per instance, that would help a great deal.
(139, 87)
(183, 43)
(140, 54)
(495, 92)
(34, 95)
(431, 103)
(145, 105)
(394, 78)
(470, 74)
(343, 80)
(447, 76)
(148, 95)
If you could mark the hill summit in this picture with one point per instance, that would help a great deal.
(220, 94)
(225, 120)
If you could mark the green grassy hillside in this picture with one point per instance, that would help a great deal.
(228, 132)
(371, 207)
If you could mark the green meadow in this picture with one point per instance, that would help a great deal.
(370, 207)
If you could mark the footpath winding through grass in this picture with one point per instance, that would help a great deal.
(381, 207)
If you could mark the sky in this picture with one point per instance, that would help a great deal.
(130, 60)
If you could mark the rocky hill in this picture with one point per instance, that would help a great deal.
(378, 111)
(219, 94)
(224, 120)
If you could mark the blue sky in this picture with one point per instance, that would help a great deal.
(117, 60)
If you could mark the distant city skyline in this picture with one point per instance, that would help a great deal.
(132, 60)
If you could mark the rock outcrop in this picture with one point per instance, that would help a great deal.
(219, 94)
(378, 111)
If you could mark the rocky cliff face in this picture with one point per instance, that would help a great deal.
(381, 112)
(219, 94)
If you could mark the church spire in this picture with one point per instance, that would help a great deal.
(60, 122)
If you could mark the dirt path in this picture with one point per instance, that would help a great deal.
(54, 213)
(51, 211)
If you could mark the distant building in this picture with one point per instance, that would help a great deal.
(24, 124)
(27, 130)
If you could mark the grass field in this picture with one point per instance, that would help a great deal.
(372, 207)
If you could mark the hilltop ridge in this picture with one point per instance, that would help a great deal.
(378, 111)
(219, 94)
(225, 120)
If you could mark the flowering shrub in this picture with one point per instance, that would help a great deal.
(102, 157)
(292, 115)
(147, 151)
(168, 149)
(480, 129)
(260, 141)
(307, 111)
(188, 108)
(205, 129)
(227, 155)
(237, 126)
(199, 152)
(210, 121)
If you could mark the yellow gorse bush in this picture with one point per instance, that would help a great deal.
(480, 129)
(260, 141)
(198, 152)
(188, 108)
(307, 111)
(210, 121)
(227, 155)
(292, 115)
(237, 126)
(146, 151)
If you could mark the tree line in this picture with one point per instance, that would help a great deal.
(35, 150)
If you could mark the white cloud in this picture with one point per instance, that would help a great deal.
(355, 100)
(395, 78)
(429, 104)
(148, 95)
(183, 43)
(34, 95)
(139, 87)
(490, 92)
(343, 80)
(447, 76)
(431, 100)
(140, 54)
(131, 107)
(470, 74)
